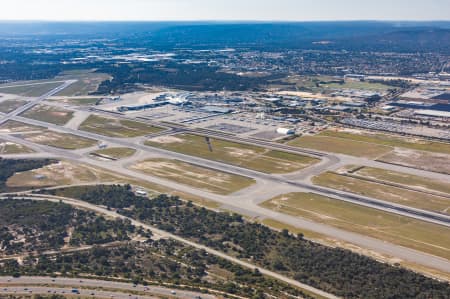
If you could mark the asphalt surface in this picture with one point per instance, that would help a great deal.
(87, 287)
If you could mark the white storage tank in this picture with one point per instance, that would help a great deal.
(285, 131)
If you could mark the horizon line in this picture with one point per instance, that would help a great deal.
(216, 21)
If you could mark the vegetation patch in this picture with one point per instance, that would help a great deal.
(117, 127)
(9, 167)
(248, 156)
(405, 179)
(12, 126)
(392, 141)
(114, 153)
(60, 140)
(35, 89)
(418, 159)
(11, 148)
(314, 264)
(408, 232)
(195, 176)
(35, 226)
(326, 143)
(381, 191)
(49, 114)
(8, 106)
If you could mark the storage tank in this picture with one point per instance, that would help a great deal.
(285, 131)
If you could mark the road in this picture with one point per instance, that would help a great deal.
(164, 234)
(87, 287)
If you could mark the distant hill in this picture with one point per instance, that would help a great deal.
(354, 35)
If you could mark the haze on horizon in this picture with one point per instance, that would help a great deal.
(226, 10)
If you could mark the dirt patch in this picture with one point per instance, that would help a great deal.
(240, 152)
(167, 139)
(418, 159)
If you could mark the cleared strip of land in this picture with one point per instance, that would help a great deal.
(384, 192)
(247, 156)
(404, 179)
(49, 114)
(8, 106)
(194, 176)
(115, 153)
(29, 89)
(408, 232)
(366, 144)
(393, 141)
(117, 127)
(11, 148)
(341, 146)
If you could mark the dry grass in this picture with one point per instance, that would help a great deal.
(49, 114)
(195, 176)
(115, 153)
(247, 156)
(341, 146)
(116, 127)
(380, 191)
(404, 231)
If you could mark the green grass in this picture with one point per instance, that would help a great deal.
(60, 140)
(24, 89)
(116, 127)
(341, 146)
(116, 153)
(247, 156)
(198, 177)
(404, 231)
(49, 114)
(392, 141)
(388, 193)
(8, 106)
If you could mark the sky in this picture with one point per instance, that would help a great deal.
(264, 10)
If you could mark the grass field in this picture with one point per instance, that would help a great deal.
(11, 148)
(88, 82)
(8, 106)
(77, 101)
(388, 193)
(404, 231)
(341, 146)
(392, 141)
(29, 89)
(59, 140)
(404, 179)
(12, 126)
(195, 176)
(116, 153)
(325, 83)
(116, 127)
(430, 161)
(49, 114)
(248, 156)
